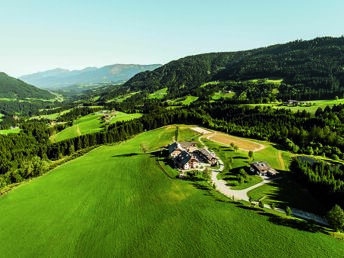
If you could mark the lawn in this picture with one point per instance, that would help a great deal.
(116, 202)
(231, 170)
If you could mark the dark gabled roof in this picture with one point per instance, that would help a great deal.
(261, 166)
(183, 158)
(172, 147)
(207, 154)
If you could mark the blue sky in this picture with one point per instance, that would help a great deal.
(37, 35)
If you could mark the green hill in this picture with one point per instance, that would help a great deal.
(305, 69)
(116, 202)
(12, 88)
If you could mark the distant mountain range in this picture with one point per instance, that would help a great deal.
(13, 88)
(60, 78)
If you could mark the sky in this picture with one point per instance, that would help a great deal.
(38, 35)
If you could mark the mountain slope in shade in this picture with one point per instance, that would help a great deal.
(60, 78)
(14, 88)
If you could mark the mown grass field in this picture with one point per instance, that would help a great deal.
(116, 202)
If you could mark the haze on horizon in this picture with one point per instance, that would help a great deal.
(40, 35)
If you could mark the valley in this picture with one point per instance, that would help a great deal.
(116, 197)
(85, 168)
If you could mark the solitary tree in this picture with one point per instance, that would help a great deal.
(236, 148)
(230, 160)
(288, 211)
(336, 218)
(250, 154)
(272, 206)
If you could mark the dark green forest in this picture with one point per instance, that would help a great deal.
(309, 69)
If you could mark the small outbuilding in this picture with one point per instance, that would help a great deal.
(262, 168)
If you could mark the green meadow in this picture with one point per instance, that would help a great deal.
(187, 100)
(89, 124)
(116, 202)
(311, 107)
(84, 125)
(9, 131)
(53, 116)
(222, 95)
(121, 98)
(122, 117)
(159, 94)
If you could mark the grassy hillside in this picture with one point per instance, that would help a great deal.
(14, 88)
(90, 124)
(116, 202)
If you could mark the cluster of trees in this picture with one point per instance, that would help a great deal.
(300, 132)
(323, 179)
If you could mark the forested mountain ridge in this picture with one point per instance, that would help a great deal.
(17, 89)
(60, 78)
(309, 69)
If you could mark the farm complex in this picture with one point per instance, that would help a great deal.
(186, 156)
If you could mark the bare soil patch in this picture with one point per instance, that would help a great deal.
(243, 144)
(200, 130)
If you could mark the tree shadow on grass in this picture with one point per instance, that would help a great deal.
(224, 148)
(127, 155)
(240, 157)
(280, 220)
(209, 191)
(289, 193)
(303, 225)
